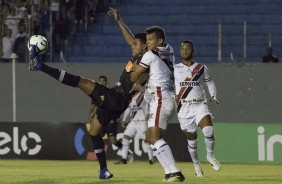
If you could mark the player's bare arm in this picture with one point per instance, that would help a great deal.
(137, 73)
(127, 34)
(138, 84)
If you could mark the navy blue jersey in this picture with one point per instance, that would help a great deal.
(112, 102)
(124, 84)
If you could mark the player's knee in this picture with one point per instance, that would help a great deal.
(208, 131)
(69, 79)
(191, 135)
(125, 141)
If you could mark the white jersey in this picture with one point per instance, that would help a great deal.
(188, 86)
(137, 109)
(160, 64)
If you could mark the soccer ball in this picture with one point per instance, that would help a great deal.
(40, 42)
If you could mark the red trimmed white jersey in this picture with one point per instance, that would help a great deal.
(137, 109)
(188, 86)
(160, 64)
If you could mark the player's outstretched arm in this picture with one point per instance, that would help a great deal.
(127, 34)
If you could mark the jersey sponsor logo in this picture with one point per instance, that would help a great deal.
(118, 84)
(189, 83)
(166, 59)
(192, 101)
(165, 54)
(178, 66)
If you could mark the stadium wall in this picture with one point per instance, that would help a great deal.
(248, 94)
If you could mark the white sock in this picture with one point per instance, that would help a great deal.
(164, 151)
(125, 148)
(209, 140)
(149, 152)
(192, 148)
(162, 162)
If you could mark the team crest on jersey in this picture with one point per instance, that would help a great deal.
(189, 75)
(102, 99)
(129, 66)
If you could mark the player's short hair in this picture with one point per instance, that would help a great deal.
(142, 37)
(191, 43)
(269, 49)
(160, 32)
(103, 77)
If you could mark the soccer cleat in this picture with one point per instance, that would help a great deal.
(152, 161)
(130, 157)
(214, 163)
(176, 177)
(105, 174)
(198, 170)
(166, 177)
(35, 61)
(122, 161)
(199, 173)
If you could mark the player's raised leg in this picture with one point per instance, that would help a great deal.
(36, 63)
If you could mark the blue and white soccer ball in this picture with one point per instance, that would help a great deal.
(40, 42)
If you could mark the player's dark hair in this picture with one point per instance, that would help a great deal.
(103, 77)
(270, 49)
(141, 36)
(160, 33)
(191, 43)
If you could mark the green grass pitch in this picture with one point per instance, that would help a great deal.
(86, 172)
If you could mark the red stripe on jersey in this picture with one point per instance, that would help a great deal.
(159, 95)
(182, 90)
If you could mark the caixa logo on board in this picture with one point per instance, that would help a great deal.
(139, 148)
(78, 139)
(19, 144)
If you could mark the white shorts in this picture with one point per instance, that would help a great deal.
(136, 129)
(161, 110)
(191, 120)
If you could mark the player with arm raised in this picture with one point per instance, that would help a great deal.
(111, 102)
(192, 106)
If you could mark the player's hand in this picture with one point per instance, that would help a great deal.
(137, 87)
(113, 12)
(214, 99)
